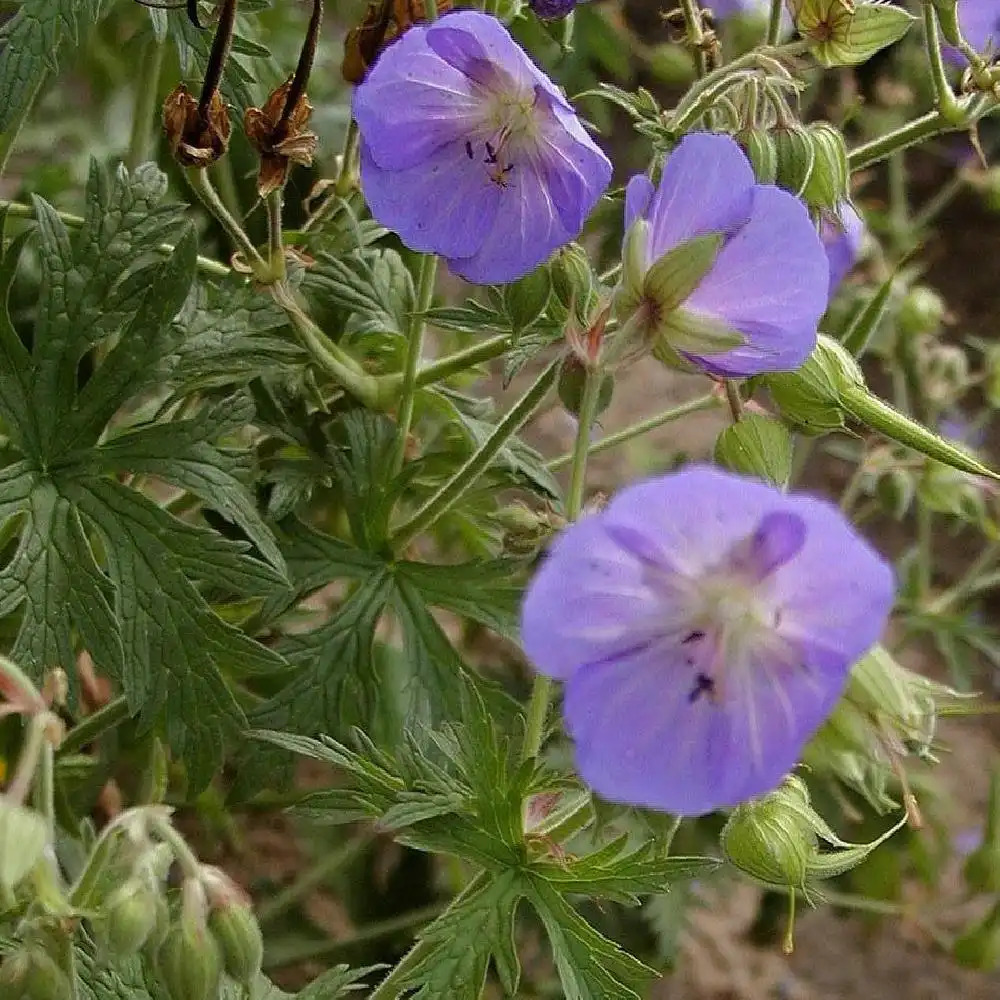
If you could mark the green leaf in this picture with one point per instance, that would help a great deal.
(30, 45)
(759, 446)
(591, 967)
(98, 565)
(453, 954)
(373, 287)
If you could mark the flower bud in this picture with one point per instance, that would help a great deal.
(842, 34)
(23, 836)
(188, 960)
(945, 373)
(762, 152)
(921, 312)
(525, 300)
(572, 280)
(238, 936)
(30, 973)
(769, 839)
(796, 156)
(757, 446)
(130, 916)
(827, 185)
(573, 379)
(982, 866)
(979, 946)
(948, 491)
(810, 398)
(895, 491)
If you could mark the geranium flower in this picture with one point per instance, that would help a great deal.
(718, 270)
(980, 24)
(704, 626)
(469, 151)
(842, 236)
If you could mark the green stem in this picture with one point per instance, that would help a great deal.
(968, 110)
(541, 690)
(311, 879)
(774, 22)
(106, 718)
(275, 244)
(970, 582)
(389, 988)
(734, 399)
(201, 185)
(143, 112)
(706, 402)
(899, 206)
(477, 463)
(323, 951)
(414, 348)
(327, 355)
(946, 102)
(925, 542)
(186, 859)
(18, 210)
(460, 361)
(695, 36)
(27, 762)
(45, 788)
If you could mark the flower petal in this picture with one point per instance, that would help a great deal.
(445, 204)
(705, 188)
(413, 103)
(837, 592)
(842, 240)
(588, 602)
(641, 738)
(770, 282)
(638, 195)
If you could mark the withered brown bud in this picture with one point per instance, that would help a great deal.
(195, 140)
(384, 21)
(280, 139)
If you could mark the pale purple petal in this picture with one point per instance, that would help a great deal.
(611, 600)
(705, 188)
(411, 105)
(777, 539)
(842, 237)
(770, 282)
(833, 562)
(453, 189)
(638, 195)
(980, 24)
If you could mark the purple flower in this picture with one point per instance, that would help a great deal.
(704, 625)
(752, 307)
(469, 151)
(550, 9)
(979, 21)
(842, 237)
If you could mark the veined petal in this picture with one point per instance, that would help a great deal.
(837, 592)
(705, 188)
(770, 281)
(411, 105)
(638, 195)
(607, 614)
(445, 204)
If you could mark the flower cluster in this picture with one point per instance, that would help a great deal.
(704, 625)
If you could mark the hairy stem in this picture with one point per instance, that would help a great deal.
(275, 243)
(946, 102)
(774, 22)
(707, 402)
(479, 461)
(201, 185)
(541, 691)
(95, 725)
(414, 348)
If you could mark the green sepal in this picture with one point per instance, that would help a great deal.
(757, 445)
(675, 275)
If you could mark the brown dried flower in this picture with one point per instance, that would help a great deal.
(196, 140)
(280, 139)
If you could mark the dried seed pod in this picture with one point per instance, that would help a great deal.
(195, 140)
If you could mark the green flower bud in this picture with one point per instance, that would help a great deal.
(827, 185)
(525, 300)
(762, 152)
(921, 312)
(757, 446)
(796, 155)
(810, 398)
(895, 491)
(628, 294)
(30, 973)
(188, 960)
(843, 34)
(573, 280)
(982, 866)
(947, 491)
(129, 917)
(573, 378)
(770, 839)
(238, 936)
(23, 836)
(945, 370)
(979, 946)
